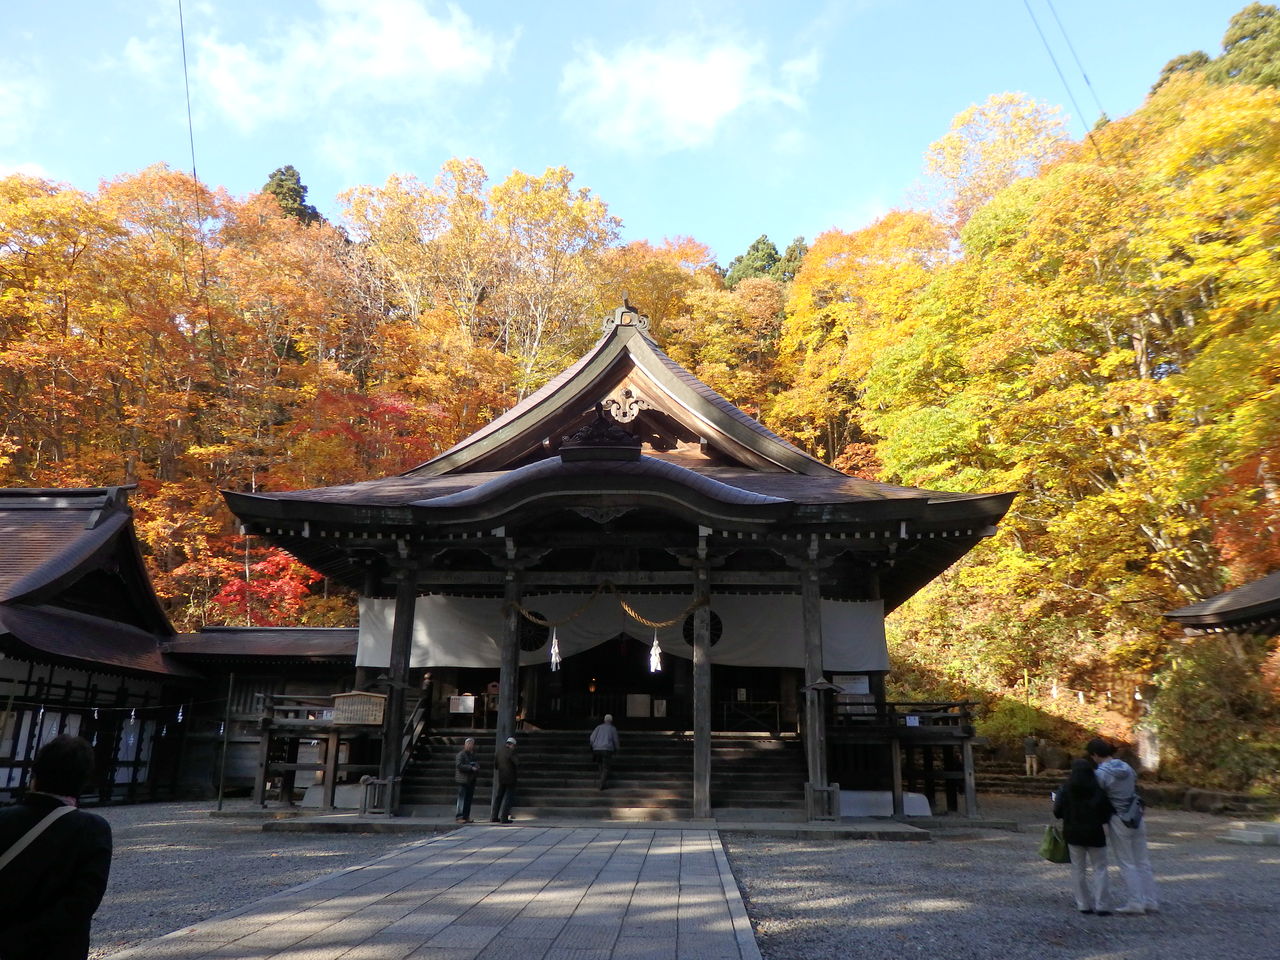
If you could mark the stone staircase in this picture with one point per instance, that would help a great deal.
(652, 777)
(1008, 777)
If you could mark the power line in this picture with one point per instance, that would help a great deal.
(1071, 47)
(1061, 76)
(191, 139)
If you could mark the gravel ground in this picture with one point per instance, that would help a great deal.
(174, 864)
(969, 894)
(985, 894)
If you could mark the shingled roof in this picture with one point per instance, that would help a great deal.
(73, 588)
(1255, 606)
(213, 644)
(681, 458)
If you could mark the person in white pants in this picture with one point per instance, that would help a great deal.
(1127, 830)
(1083, 808)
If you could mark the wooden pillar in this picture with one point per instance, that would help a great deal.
(702, 684)
(509, 665)
(264, 758)
(815, 720)
(330, 770)
(970, 783)
(398, 670)
(895, 759)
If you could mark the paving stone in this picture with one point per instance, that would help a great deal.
(556, 953)
(428, 952)
(460, 935)
(588, 936)
(536, 928)
(532, 894)
(636, 948)
(515, 948)
(708, 946)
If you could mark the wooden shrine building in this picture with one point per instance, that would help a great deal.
(624, 518)
(81, 636)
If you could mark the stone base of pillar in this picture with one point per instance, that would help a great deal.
(822, 802)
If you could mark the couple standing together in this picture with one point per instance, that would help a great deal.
(1099, 807)
(467, 768)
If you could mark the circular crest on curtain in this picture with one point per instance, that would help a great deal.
(717, 628)
(533, 636)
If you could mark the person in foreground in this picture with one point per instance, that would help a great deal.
(506, 769)
(1127, 829)
(1083, 808)
(54, 883)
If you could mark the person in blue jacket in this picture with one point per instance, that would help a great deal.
(1127, 829)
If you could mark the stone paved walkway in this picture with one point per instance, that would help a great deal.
(486, 893)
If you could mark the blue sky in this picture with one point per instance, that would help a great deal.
(717, 120)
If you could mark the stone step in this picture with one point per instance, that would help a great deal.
(654, 771)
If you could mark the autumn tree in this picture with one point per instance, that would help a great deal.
(852, 298)
(657, 279)
(988, 147)
(1105, 346)
(729, 338)
(1250, 52)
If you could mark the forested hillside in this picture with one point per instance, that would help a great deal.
(1093, 323)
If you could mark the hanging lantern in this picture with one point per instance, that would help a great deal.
(555, 651)
(655, 654)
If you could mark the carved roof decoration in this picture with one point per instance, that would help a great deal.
(624, 359)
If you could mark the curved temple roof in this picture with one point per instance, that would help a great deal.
(1255, 605)
(706, 466)
(72, 583)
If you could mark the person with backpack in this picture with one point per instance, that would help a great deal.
(54, 859)
(1127, 829)
(1084, 809)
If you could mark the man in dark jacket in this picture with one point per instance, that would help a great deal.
(505, 769)
(465, 770)
(54, 885)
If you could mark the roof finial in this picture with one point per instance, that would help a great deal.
(627, 316)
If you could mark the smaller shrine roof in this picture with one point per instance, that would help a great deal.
(73, 588)
(1255, 604)
(272, 643)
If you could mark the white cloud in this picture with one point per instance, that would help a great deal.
(352, 53)
(22, 97)
(26, 169)
(675, 96)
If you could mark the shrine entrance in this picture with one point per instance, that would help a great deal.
(612, 677)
